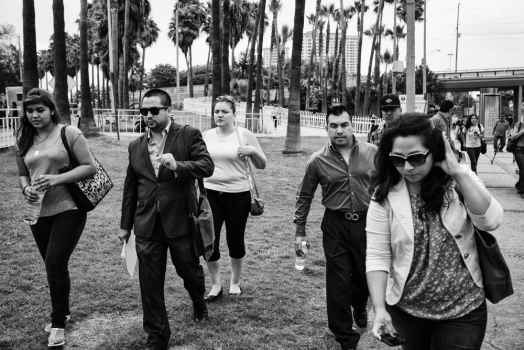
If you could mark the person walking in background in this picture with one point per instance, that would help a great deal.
(517, 136)
(41, 156)
(442, 120)
(228, 190)
(474, 134)
(390, 110)
(500, 129)
(344, 169)
(163, 165)
(422, 264)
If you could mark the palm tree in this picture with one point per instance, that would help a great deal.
(274, 7)
(346, 15)
(285, 35)
(87, 122)
(336, 17)
(249, 102)
(62, 102)
(147, 38)
(387, 58)
(215, 45)
(30, 57)
(361, 8)
(191, 18)
(260, 83)
(293, 142)
(224, 48)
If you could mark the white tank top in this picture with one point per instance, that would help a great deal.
(230, 173)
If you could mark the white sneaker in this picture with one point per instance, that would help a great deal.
(56, 338)
(234, 289)
(48, 326)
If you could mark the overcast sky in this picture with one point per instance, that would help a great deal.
(492, 36)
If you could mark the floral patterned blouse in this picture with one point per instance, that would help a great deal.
(439, 285)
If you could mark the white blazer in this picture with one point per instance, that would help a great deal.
(390, 234)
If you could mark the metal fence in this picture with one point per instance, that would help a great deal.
(9, 123)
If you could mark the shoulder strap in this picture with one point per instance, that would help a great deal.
(72, 159)
(249, 169)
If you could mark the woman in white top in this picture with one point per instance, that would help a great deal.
(474, 132)
(228, 190)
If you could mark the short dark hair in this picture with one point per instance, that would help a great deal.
(435, 184)
(336, 109)
(446, 106)
(165, 99)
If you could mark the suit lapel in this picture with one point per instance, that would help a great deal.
(401, 206)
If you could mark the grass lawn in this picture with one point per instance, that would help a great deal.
(279, 308)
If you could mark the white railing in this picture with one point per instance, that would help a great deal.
(9, 123)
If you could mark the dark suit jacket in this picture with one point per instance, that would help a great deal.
(171, 193)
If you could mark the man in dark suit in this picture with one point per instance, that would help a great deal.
(163, 164)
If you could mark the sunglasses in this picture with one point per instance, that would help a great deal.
(224, 98)
(415, 159)
(153, 110)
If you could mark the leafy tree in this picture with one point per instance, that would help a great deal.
(147, 38)
(162, 75)
(9, 66)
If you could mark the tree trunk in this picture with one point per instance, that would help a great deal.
(373, 52)
(206, 81)
(293, 142)
(334, 68)
(342, 52)
(215, 45)
(190, 73)
(87, 122)
(98, 84)
(359, 55)
(274, 32)
(224, 47)
(260, 82)
(280, 64)
(249, 99)
(141, 85)
(62, 102)
(125, 57)
(378, 85)
(30, 71)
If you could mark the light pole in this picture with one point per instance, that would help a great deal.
(450, 61)
(410, 56)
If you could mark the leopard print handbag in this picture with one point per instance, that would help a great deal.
(87, 193)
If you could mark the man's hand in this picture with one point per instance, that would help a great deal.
(168, 161)
(123, 236)
(298, 242)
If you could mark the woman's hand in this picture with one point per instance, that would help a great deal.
(245, 151)
(30, 194)
(450, 164)
(382, 324)
(45, 182)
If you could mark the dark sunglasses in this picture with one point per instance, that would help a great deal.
(415, 159)
(153, 110)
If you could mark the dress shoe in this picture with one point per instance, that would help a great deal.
(211, 297)
(200, 313)
(360, 316)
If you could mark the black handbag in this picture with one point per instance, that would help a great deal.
(483, 146)
(495, 271)
(88, 192)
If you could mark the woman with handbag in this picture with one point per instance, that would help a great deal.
(41, 157)
(474, 136)
(229, 189)
(422, 261)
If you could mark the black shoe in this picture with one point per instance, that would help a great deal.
(360, 316)
(200, 313)
(211, 298)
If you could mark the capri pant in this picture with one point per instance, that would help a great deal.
(233, 209)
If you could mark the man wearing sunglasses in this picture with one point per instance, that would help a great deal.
(344, 169)
(163, 165)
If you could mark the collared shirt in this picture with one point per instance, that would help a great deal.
(345, 187)
(155, 149)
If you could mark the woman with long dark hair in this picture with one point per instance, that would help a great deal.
(422, 262)
(41, 160)
(474, 133)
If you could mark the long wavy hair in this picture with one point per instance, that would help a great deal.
(26, 132)
(436, 183)
(469, 124)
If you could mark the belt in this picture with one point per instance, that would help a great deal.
(353, 216)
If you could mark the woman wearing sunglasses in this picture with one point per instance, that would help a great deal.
(228, 189)
(422, 263)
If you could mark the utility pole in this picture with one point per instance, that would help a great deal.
(457, 37)
(424, 59)
(410, 56)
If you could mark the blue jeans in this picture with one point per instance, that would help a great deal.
(463, 333)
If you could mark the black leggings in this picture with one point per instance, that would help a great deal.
(56, 237)
(474, 154)
(233, 208)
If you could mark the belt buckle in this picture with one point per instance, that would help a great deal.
(351, 216)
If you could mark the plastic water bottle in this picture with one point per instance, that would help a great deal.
(300, 260)
(32, 209)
